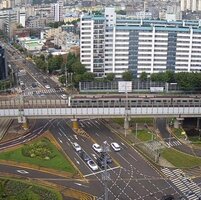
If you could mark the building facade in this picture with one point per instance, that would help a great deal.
(190, 5)
(3, 69)
(57, 11)
(114, 45)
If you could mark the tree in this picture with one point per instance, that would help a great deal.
(110, 77)
(127, 76)
(62, 79)
(88, 76)
(78, 68)
(121, 12)
(143, 76)
(71, 58)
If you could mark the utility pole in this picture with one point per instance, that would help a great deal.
(105, 174)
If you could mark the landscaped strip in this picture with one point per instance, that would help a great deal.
(18, 190)
(179, 159)
(143, 135)
(41, 153)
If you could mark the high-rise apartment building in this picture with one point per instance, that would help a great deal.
(191, 5)
(3, 69)
(109, 44)
(57, 11)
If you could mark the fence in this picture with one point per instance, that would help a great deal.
(137, 86)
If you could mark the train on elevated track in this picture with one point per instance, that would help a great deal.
(130, 100)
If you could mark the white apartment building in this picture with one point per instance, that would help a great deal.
(57, 11)
(114, 45)
(191, 5)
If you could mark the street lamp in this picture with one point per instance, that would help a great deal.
(66, 74)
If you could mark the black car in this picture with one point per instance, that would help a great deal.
(100, 163)
(108, 158)
(34, 84)
(84, 156)
(168, 197)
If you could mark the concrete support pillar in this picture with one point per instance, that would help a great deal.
(198, 123)
(25, 125)
(177, 122)
(126, 125)
(75, 124)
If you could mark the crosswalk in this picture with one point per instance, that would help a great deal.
(38, 92)
(173, 142)
(188, 188)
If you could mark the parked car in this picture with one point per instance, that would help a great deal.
(115, 146)
(97, 148)
(92, 165)
(76, 146)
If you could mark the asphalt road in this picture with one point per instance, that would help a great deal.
(130, 175)
(172, 141)
(33, 75)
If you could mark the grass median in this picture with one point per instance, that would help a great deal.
(41, 153)
(143, 135)
(179, 159)
(18, 190)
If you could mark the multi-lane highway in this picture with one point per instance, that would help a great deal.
(130, 175)
(31, 81)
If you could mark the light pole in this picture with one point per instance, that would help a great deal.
(105, 175)
(66, 74)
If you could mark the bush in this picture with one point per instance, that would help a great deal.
(39, 149)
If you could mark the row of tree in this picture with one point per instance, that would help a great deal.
(71, 65)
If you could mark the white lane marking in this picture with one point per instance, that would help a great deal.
(123, 158)
(60, 140)
(110, 169)
(97, 122)
(60, 134)
(93, 155)
(97, 134)
(79, 184)
(67, 143)
(75, 137)
(82, 140)
(132, 156)
(22, 172)
(77, 161)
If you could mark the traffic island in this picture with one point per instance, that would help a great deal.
(42, 154)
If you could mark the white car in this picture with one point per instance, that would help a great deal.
(47, 86)
(76, 146)
(64, 96)
(92, 165)
(115, 146)
(97, 148)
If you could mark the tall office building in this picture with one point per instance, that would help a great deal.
(57, 11)
(3, 69)
(114, 45)
(191, 5)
